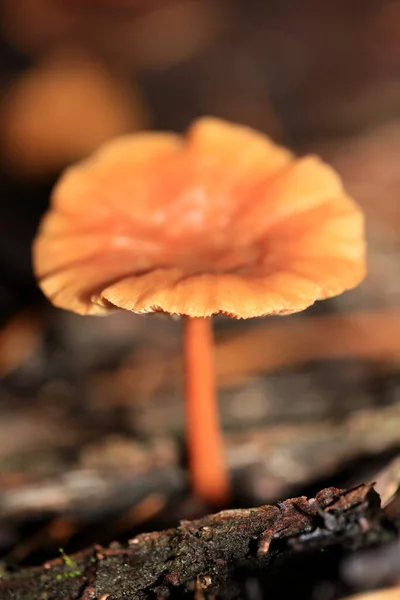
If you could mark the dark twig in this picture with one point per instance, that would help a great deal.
(205, 552)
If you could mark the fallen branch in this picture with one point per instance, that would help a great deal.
(370, 335)
(205, 552)
(265, 462)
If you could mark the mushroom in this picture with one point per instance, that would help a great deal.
(220, 221)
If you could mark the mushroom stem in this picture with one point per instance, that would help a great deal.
(204, 436)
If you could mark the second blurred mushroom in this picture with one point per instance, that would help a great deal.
(61, 110)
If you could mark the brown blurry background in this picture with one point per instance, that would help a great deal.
(91, 419)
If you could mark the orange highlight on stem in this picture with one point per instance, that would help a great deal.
(204, 436)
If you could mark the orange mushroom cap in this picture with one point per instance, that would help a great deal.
(220, 221)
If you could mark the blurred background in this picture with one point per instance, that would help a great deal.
(91, 420)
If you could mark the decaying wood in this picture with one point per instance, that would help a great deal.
(366, 334)
(266, 462)
(287, 455)
(373, 569)
(206, 551)
(379, 567)
(80, 493)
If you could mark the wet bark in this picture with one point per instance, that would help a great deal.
(203, 554)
